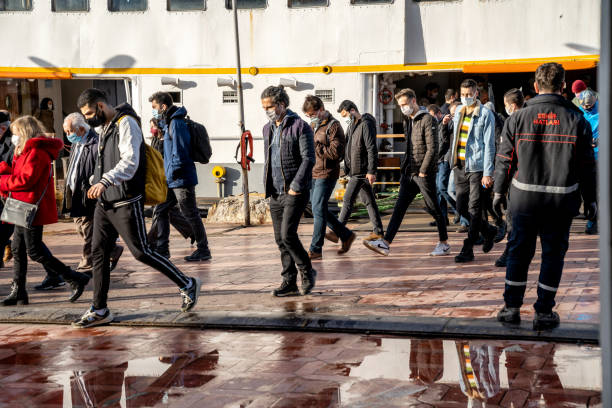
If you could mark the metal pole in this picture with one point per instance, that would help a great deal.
(245, 173)
(605, 197)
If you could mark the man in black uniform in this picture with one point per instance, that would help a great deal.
(550, 142)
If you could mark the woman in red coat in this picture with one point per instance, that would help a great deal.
(29, 179)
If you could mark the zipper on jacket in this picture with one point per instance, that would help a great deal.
(280, 154)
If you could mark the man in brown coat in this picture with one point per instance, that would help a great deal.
(418, 168)
(329, 151)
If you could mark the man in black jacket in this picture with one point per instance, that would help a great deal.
(290, 157)
(550, 142)
(119, 186)
(418, 173)
(360, 164)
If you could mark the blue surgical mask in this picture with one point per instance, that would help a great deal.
(156, 114)
(74, 138)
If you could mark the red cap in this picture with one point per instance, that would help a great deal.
(578, 86)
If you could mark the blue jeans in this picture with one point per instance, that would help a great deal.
(319, 197)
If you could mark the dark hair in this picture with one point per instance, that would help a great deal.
(431, 86)
(515, 96)
(162, 98)
(44, 104)
(435, 108)
(155, 122)
(469, 83)
(91, 96)
(450, 93)
(405, 92)
(347, 106)
(455, 103)
(277, 93)
(312, 103)
(550, 77)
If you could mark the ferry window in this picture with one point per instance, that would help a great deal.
(186, 5)
(247, 4)
(308, 3)
(70, 5)
(359, 2)
(15, 5)
(127, 5)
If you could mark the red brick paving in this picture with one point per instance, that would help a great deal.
(246, 267)
(54, 366)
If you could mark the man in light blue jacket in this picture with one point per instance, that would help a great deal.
(473, 160)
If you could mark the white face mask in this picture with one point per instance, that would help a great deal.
(509, 111)
(407, 110)
(467, 100)
(272, 115)
(348, 119)
(15, 139)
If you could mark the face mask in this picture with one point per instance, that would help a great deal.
(154, 131)
(407, 110)
(508, 111)
(74, 138)
(272, 115)
(434, 95)
(156, 114)
(467, 100)
(315, 121)
(14, 139)
(98, 120)
(50, 106)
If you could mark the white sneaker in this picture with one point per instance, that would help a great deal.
(441, 249)
(379, 246)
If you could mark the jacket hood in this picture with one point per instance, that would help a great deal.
(50, 145)
(368, 118)
(178, 112)
(421, 112)
(126, 109)
(92, 137)
(552, 98)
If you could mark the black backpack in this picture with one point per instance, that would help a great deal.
(200, 142)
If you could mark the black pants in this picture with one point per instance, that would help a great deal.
(359, 185)
(128, 223)
(553, 231)
(410, 186)
(286, 211)
(470, 197)
(185, 198)
(6, 231)
(28, 242)
(156, 236)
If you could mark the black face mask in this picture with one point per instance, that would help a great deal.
(98, 120)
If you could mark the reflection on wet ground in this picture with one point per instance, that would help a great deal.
(55, 366)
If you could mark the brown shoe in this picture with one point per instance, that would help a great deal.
(8, 253)
(315, 255)
(373, 237)
(331, 236)
(346, 245)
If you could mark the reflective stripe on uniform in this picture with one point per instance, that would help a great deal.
(513, 283)
(544, 189)
(546, 287)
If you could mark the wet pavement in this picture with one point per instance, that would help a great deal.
(56, 366)
(246, 267)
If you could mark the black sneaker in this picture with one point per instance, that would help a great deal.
(591, 229)
(487, 242)
(190, 296)
(502, 261)
(509, 315)
(91, 319)
(51, 282)
(546, 321)
(466, 254)
(501, 233)
(433, 224)
(287, 288)
(308, 281)
(77, 286)
(199, 255)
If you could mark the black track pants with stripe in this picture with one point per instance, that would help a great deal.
(128, 223)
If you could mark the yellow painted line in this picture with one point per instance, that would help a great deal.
(491, 66)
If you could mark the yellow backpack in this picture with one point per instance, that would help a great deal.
(156, 188)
